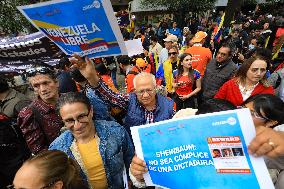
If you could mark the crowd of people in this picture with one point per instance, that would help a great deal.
(75, 130)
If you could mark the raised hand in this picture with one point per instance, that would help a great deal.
(86, 67)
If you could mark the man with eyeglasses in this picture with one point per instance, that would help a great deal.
(218, 71)
(101, 148)
(143, 106)
(39, 122)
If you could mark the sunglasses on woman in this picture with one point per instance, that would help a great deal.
(44, 187)
(172, 53)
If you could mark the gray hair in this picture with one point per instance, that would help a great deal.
(144, 74)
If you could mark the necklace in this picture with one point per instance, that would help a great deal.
(245, 88)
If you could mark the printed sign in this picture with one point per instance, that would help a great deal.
(21, 66)
(228, 154)
(134, 47)
(204, 151)
(88, 28)
(28, 47)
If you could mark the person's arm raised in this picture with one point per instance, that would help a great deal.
(87, 69)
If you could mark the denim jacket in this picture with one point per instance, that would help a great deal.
(101, 111)
(115, 148)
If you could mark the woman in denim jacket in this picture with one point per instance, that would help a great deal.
(102, 164)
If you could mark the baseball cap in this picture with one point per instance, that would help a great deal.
(199, 36)
(185, 28)
(140, 62)
(171, 38)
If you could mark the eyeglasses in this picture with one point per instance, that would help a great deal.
(148, 91)
(43, 70)
(83, 118)
(44, 187)
(172, 53)
(255, 114)
(221, 54)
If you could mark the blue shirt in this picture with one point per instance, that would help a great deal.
(176, 32)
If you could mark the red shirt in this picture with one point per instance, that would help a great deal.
(39, 135)
(186, 83)
(230, 91)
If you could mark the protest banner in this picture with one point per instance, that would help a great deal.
(20, 66)
(87, 28)
(28, 47)
(205, 151)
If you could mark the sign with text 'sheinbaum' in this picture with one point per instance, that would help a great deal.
(205, 151)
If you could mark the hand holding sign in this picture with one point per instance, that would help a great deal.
(84, 27)
(267, 142)
(86, 68)
(138, 168)
(215, 144)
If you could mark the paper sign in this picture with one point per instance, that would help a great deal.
(88, 28)
(228, 154)
(134, 47)
(206, 151)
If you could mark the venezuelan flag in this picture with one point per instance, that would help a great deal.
(219, 30)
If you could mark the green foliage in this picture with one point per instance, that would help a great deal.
(178, 5)
(11, 20)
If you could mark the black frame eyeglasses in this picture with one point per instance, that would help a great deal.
(44, 187)
(82, 118)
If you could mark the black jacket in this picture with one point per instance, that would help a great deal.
(214, 77)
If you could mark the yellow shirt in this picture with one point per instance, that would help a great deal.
(93, 164)
(168, 74)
